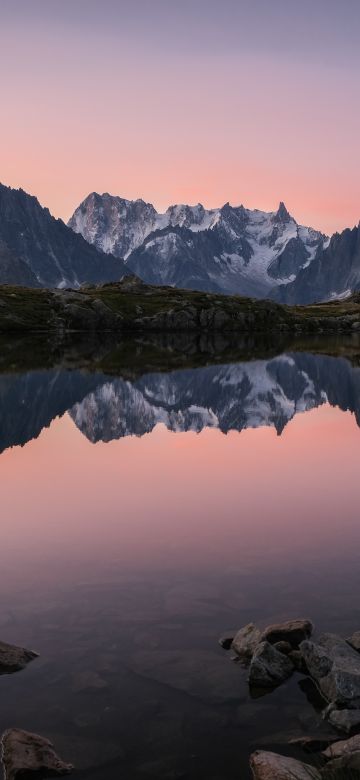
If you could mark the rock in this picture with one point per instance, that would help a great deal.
(342, 748)
(340, 768)
(335, 667)
(354, 640)
(25, 755)
(292, 631)
(246, 641)
(298, 661)
(13, 658)
(271, 766)
(268, 667)
(283, 647)
(226, 642)
(344, 720)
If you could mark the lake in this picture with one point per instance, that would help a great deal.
(148, 509)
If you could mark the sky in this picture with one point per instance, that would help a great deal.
(246, 101)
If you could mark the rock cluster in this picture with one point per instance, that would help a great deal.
(333, 664)
(272, 654)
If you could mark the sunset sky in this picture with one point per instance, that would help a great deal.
(247, 101)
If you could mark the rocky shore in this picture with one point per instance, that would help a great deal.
(132, 306)
(333, 665)
(270, 657)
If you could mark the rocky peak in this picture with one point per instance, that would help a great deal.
(282, 214)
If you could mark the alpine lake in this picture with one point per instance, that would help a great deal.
(155, 496)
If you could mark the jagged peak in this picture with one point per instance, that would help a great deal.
(282, 214)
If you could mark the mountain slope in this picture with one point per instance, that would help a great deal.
(39, 250)
(229, 249)
(13, 270)
(334, 273)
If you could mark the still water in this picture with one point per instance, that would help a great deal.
(144, 514)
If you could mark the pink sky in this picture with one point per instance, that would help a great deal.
(221, 102)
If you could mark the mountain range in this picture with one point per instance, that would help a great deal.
(234, 396)
(230, 249)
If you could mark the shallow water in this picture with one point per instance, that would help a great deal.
(144, 517)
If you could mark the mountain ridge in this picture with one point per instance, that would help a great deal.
(228, 249)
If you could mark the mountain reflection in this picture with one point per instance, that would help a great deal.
(228, 397)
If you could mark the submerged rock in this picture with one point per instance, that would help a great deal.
(291, 631)
(335, 667)
(268, 667)
(246, 641)
(29, 755)
(344, 720)
(13, 658)
(271, 766)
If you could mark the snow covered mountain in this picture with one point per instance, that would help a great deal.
(228, 249)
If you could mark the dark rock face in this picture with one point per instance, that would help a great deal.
(29, 755)
(334, 271)
(38, 250)
(13, 658)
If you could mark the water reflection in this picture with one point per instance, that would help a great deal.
(234, 396)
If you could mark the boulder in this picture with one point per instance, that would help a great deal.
(26, 755)
(335, 667)
(343, 747)
(344, 720)
(354, 641)
(13, 658)
(246, 641)
(271, 766)
(292, 631)
(268, 667)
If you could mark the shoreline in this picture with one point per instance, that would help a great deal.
(132, 307)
